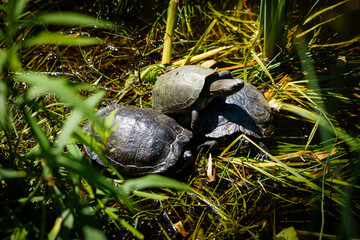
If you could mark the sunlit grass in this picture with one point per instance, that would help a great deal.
(233, 194)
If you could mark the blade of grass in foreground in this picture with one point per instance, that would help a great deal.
(60, 40)
(81, 168)
(69, 19)
(74, 120)
(116, 218)
(4, 117)
(42, 84)
(11, 173)
(158, 181)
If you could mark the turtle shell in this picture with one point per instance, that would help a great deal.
(247, 111)
(178, 90)
(143, 141)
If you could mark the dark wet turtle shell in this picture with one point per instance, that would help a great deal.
(144, 141)
(177, 91)
(246, 111)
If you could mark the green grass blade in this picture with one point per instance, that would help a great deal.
(73, 149)
(153, 181)
(38, 132)
(76, 117)
(10, 173)
(55, 229)
(317, 13)
(265, 173)
(150, 195)
(133, 230)
(343, 183)
(287, 168)
(13, 58)
(115, 217)
(258, 60)
(272, 21)
(3, 59)
(42, 84)
(92, 176)
(158, 181)
(70, 19)
(60, 40)
(4, 117)
(199, 42)
(95, 146)
(313, 28)
(15, 8)
(312, 133)
(322, 122)
(93, 233)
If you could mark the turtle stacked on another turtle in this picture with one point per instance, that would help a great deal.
(236, 106)
(184, 91)
(147, 141)
(215, 104)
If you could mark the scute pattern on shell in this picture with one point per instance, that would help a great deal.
(246, 111)
(176, 91)
(144, 140)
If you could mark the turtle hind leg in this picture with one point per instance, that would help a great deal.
(183, 168)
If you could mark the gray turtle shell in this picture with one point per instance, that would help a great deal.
(144, 140)
(178, 90)
(247, 111)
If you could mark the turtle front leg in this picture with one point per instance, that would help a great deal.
(194, 120)
(207, 145)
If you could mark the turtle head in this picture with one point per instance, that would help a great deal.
(225, 87)
(221, 84)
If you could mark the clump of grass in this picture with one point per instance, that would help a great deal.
(272, 22)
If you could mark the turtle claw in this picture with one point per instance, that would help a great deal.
(261, 156)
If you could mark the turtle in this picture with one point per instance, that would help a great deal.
(186, 90)
(142, 140)
(246, 111)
